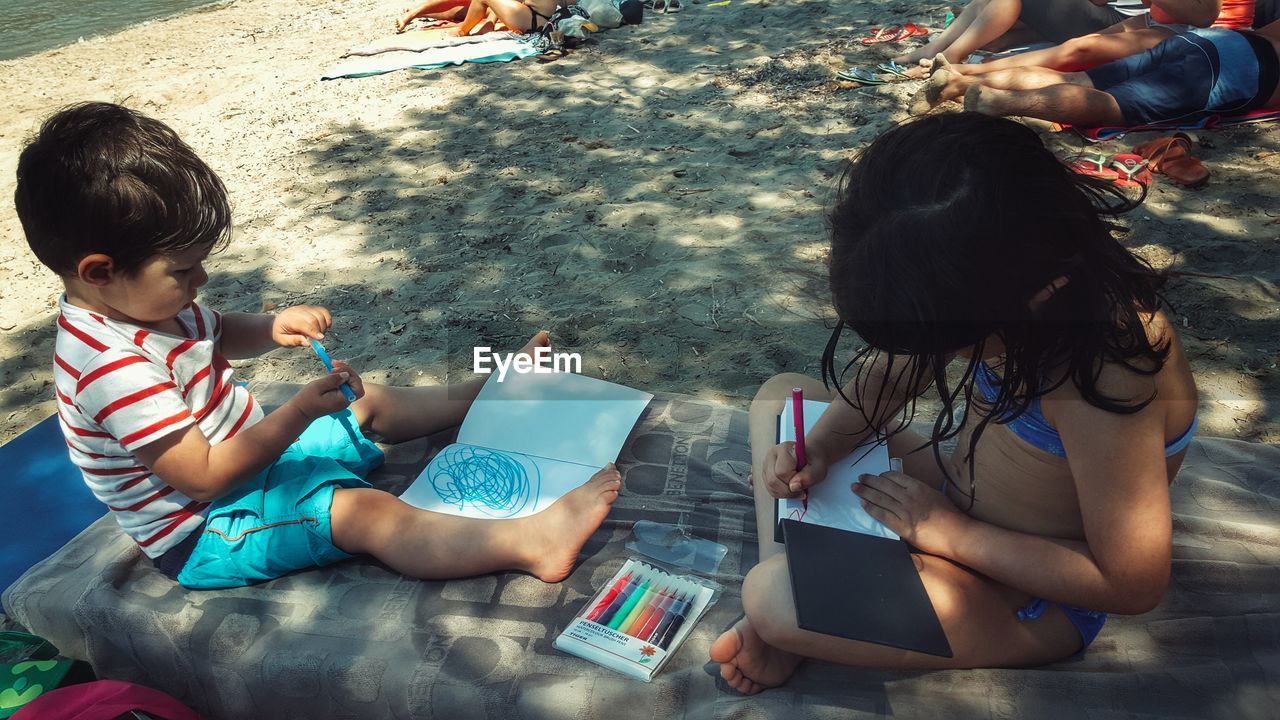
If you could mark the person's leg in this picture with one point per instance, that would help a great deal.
(514, 14)
(979, 617)
(426, 9)
(992, 20)
(1073, 102)
(430, 545)
(404, 413)
(1079, 53)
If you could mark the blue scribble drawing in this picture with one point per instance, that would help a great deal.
(494, 483)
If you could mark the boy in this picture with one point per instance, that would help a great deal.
(216, 493)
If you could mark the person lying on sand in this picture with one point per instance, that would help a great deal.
(982, 22)
(1187, 76)
(1128, 37)
(1075, 398)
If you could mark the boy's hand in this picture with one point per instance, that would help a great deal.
(324, 396)
(781, 478)
(298, 325)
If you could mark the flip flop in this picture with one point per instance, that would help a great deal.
(674, 6)
(1091, 164)
(861, 76)
(916, 30)
(894, 68)
(1171, 156)
(1132, 169)
(891, 33)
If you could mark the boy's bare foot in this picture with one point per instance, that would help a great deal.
(541, 339)
(748, 663)
(942, 85)
(559, 532)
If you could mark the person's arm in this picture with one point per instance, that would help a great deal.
(885, 390)
(186, 461)
(1199, 13)
(1122, 484)
(246, 335)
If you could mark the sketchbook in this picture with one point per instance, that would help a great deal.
(832, 502)
(526, 442)
(851, 576)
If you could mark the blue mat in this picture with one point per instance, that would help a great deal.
(46, 502)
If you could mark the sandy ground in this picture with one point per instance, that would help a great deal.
(654, 199)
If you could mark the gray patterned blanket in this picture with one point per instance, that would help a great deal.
(358, 641)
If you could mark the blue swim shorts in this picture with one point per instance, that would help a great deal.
(1188, 76)
(278, 522)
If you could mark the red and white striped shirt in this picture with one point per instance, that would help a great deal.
(121, 387)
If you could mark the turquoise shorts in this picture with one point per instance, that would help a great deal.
(278, 522)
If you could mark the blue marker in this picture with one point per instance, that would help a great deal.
(347, 392)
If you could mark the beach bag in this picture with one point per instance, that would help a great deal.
(105, 700)
(602, 12)
(29, 668)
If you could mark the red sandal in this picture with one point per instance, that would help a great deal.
(1132, 170)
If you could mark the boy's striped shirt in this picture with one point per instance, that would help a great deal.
(121, 387)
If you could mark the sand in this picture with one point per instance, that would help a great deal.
(655, 199)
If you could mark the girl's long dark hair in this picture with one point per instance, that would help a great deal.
(944, 230)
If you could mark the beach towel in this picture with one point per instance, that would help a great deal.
(1210, 122)
(356, 640)
(421, 40)
(487, 48)
(46, 501)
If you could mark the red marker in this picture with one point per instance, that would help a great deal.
(797, 419)
(600, 607)
(659, 612)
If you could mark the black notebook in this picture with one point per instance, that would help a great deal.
(860, 587)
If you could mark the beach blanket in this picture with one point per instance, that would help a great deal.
(1210, 122)
(437, 36)
(357, 641)
(486, 48)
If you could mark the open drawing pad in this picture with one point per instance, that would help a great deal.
(861, 587)
(525, 442)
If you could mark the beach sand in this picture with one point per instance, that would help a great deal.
(655, 199)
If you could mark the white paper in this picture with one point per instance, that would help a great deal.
(526, 442)
(832, 502)
(489, 484)
(564, 416)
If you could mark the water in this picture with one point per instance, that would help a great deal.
(29, 26)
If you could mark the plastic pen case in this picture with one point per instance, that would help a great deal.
(638, 620)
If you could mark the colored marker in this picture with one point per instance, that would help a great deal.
(620, 617)
(681, 613)
(797, 420)
(603, 605)
(650, 607)
(647, 628)
(347, 392)
(667, 618)
(619, 601)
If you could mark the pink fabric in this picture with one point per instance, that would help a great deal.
(103, 700)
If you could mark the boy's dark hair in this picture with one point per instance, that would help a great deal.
(944, 230)
(101, 178)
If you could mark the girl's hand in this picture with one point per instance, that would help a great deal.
(920, 514)
(780, 476)
(298, 325)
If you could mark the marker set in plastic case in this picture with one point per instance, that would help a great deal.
(637, 620)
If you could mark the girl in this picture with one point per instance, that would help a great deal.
(972, 261)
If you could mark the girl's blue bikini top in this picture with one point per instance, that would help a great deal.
(1032, 426)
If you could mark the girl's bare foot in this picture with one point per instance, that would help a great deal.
(559, 532)
(748, 663)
